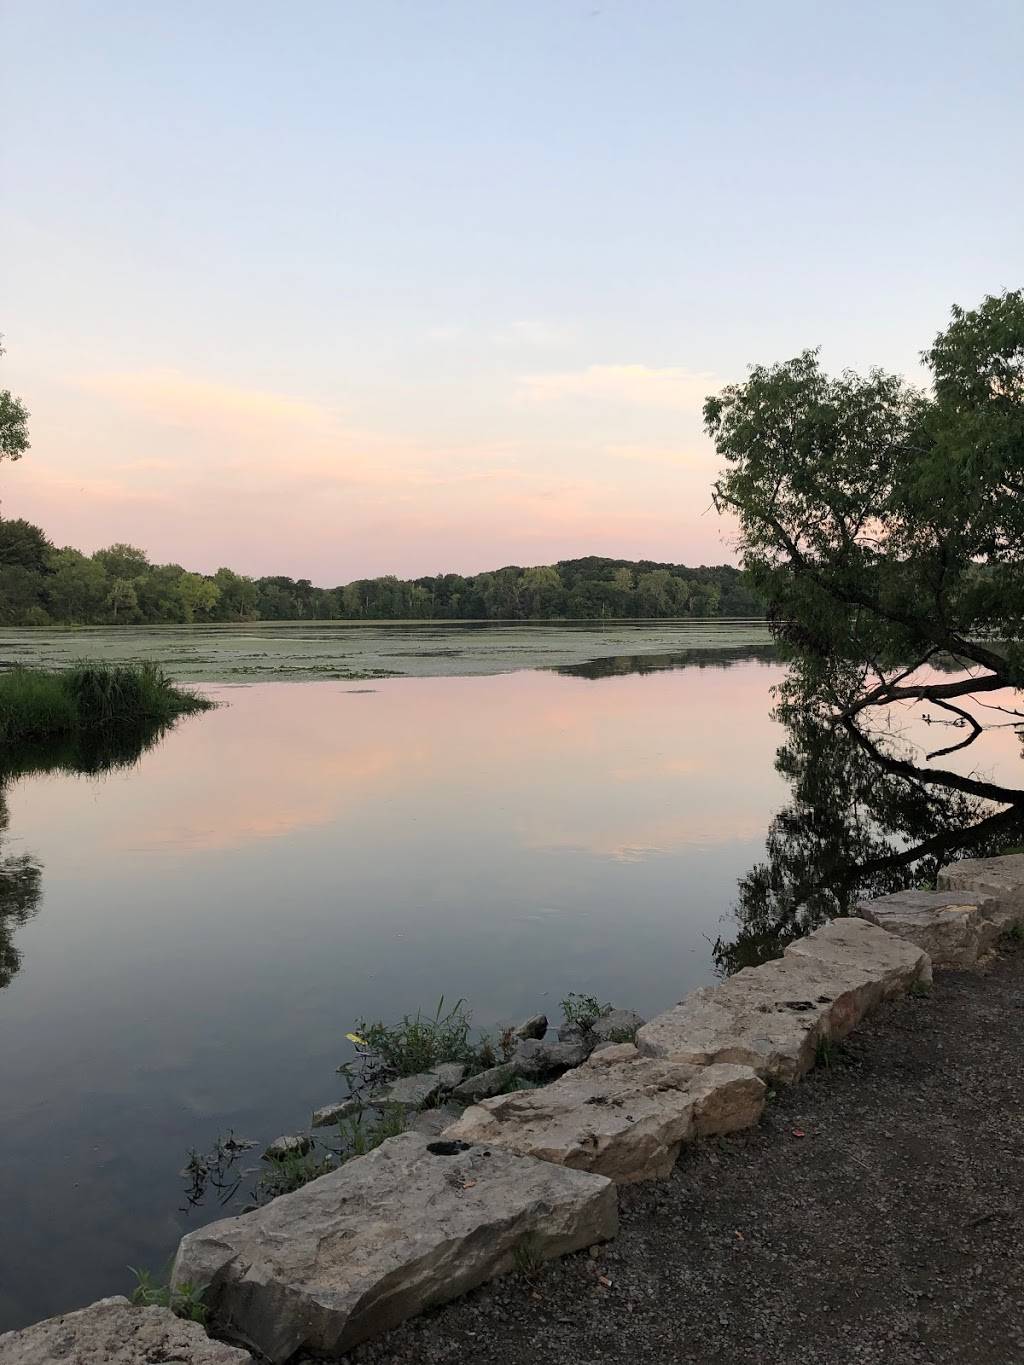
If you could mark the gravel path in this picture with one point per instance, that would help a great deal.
(876, 1215)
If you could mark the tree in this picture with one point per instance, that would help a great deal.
(237, 596)
(20, 596)
(884, 528)
(75, 588)
(198, 594)
(23, 544)
(13, 423)
(123, 561)
(884, 525)
(122, 599)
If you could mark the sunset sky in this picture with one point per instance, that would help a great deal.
(340, 289)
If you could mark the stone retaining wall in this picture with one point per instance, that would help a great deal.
(523, 1177)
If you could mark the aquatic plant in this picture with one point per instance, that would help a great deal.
(89, 699)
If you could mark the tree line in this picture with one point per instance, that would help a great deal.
(42, 585)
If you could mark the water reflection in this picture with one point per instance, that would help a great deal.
(217, 916)
(21, 874)
(619, 665)
(871, 812)
(19, 897)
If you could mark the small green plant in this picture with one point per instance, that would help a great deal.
(920, 990)
(289, 1173)
(360, 1135)
(185, 1301)
(527, 1258)
(420, 1041)
(582, 1011)
(1015, 933)
(826, 1052)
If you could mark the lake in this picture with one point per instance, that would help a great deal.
(521, 812)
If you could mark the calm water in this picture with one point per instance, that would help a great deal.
(213, 920)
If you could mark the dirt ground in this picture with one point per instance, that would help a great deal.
(876, 1215)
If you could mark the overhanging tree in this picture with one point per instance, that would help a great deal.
(883, 524)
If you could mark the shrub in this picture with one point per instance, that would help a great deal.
(582, 1011)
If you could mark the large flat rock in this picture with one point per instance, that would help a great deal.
(772, 1017)
(855, 946)
(412, 1224)
(953, 927)
(116, 1332)
(999, 881)
(622, 1117)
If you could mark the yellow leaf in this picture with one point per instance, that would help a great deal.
(355, 1038)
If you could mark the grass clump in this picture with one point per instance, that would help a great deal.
(40, 704)
(185, 1301)
(289, 1173)
(420, 1041)
(359, 1136)
(527, 1259)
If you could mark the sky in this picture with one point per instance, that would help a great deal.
(411, 286)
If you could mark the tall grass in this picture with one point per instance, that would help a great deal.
(88, 699)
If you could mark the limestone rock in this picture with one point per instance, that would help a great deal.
(534, 1058)
(432, 1122)
(999, 881)
(856, 946)
(449, 1074)
(412, 1092)
(607, 1053)
(949, 925)
(616, 1025)
(116, 1332)
(626, 1119)
(772, 1017)
(485, 1083)
(331, 1114)
(534, 1027)
(281, 1147)
(410, 1225)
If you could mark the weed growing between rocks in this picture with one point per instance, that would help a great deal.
(583, 1011)
(149, 1292)
(288, 1173)
(526, 1258)
(359, 1135)
(418, 1042)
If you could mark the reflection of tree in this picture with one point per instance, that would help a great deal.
(618, 665)
(19, 900)
(864, 819)
(21, 875)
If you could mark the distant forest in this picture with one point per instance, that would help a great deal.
(41, 585)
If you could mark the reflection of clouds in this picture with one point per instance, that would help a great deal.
(628, 769)
(260, 795)
(641, 843)
(662, 767)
